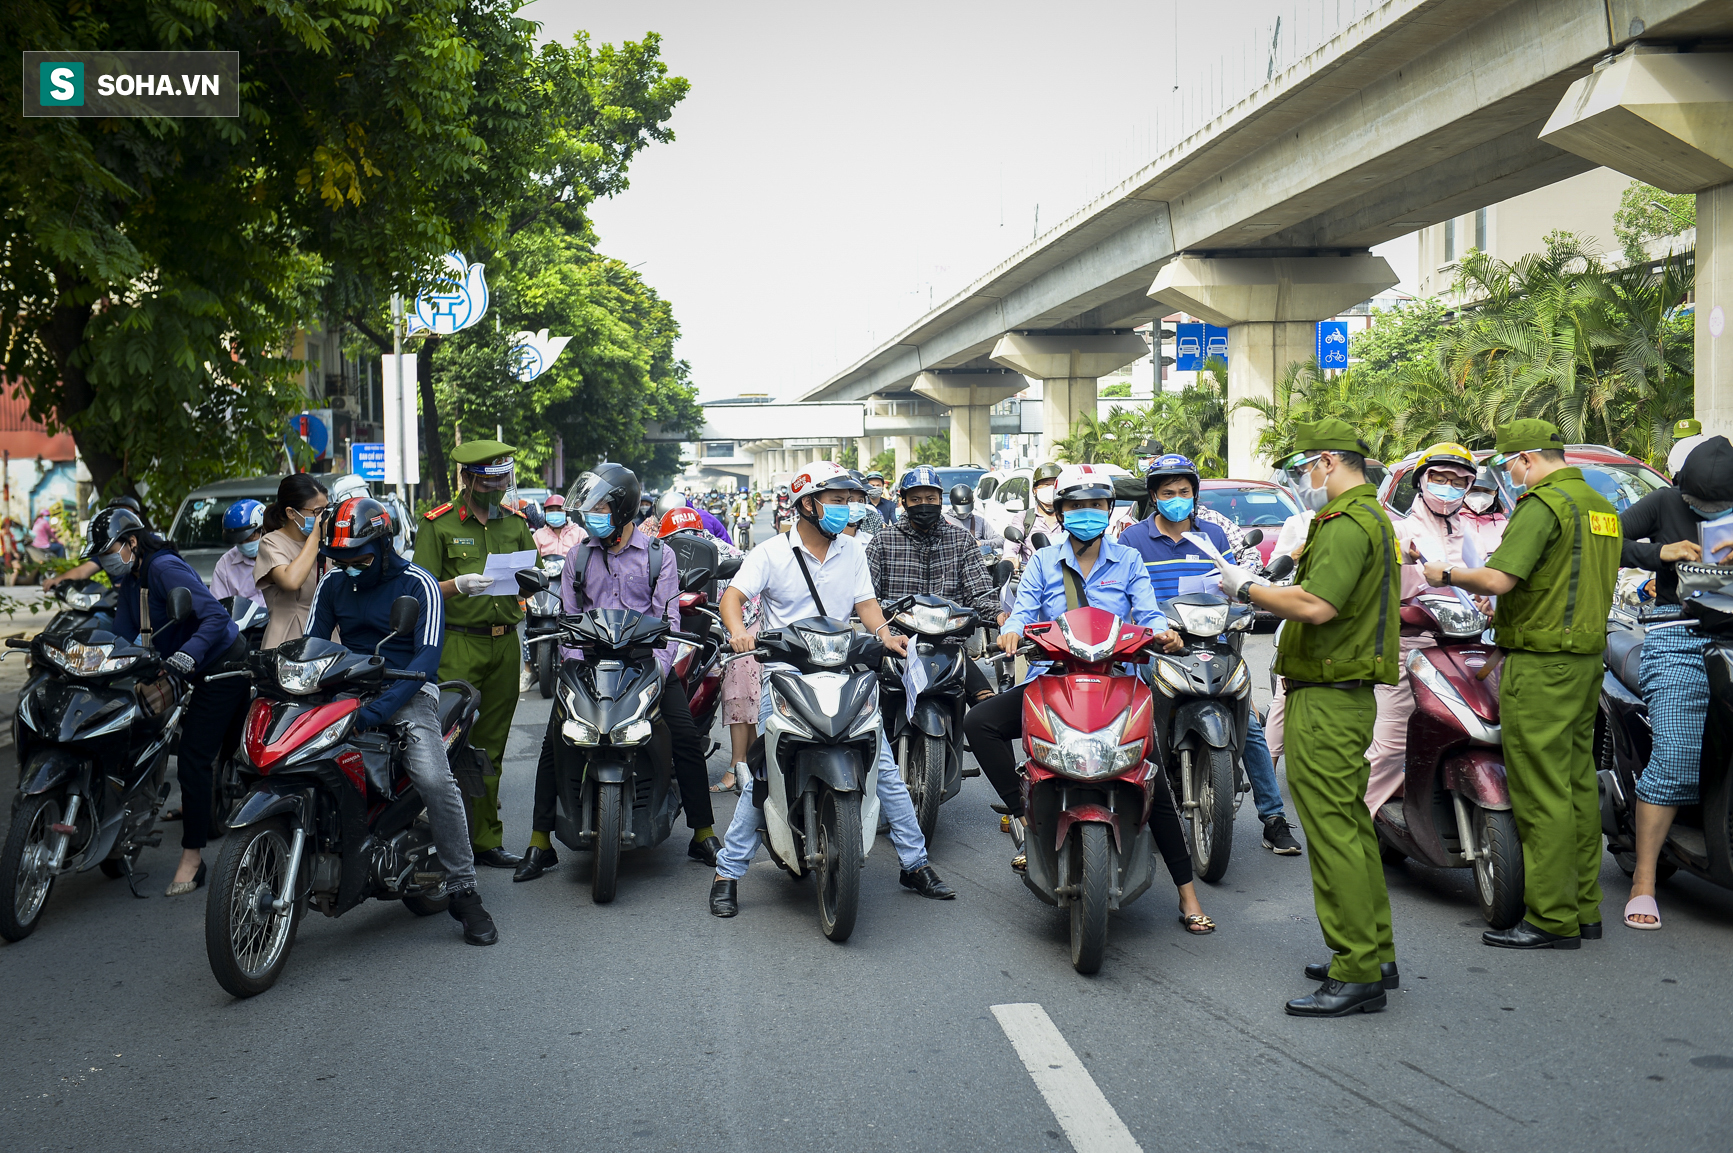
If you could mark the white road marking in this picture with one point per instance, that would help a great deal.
(1089, 1122)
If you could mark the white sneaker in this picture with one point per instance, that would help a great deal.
(526, 680)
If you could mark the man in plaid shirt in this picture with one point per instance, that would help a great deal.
(922, 552)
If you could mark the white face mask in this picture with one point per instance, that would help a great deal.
(1314, 498)
(1479, 502)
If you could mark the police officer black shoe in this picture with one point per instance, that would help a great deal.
(535, 862)
(704, 850)
(478, 928)
(1338, 999)
(1278, 838)
(1526, 936)
(926, 882)
(1591, 932)
(497, 858)
(1391, 979)
(724, 899)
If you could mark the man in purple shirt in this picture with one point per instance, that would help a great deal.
(611, 570)
(243, 526)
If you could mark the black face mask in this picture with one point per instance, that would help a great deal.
(924, 516)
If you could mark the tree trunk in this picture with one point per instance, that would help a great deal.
(437, 471)
(64, 335)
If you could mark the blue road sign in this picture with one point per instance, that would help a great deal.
(1196, 343)
(1332, 344)
(368, 462)
(1215, 343)
(312, 429)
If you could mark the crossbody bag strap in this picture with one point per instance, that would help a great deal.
(817, 601)
(1075, 597)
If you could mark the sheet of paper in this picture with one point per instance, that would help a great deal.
(1471, 557)
(1207, 583)
(1716, 537)
(502, 569)
(1431, 549)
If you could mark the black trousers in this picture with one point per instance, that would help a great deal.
(211, 711)
(993, 724)
(689, 771)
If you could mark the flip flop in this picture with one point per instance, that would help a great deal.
(1197, 923)
(1642, 906)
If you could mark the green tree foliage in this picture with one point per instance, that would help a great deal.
(1192, 421)
(1646, 213)
(934, 450)
(885, 462)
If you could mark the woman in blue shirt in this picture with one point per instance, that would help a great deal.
(1111, 577)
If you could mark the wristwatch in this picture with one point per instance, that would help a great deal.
(1244, 596)
(1448, 569)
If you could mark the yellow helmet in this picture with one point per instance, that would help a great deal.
(1446, 452)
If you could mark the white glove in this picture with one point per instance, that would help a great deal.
(1234, 578)
(471, 584)
(180, 663)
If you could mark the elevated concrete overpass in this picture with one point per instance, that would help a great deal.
(1262, 220)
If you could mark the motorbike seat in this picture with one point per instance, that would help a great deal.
(1624, 656)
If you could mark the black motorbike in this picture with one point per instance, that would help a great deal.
(330, 818)
(543, 620)
(88, 603)
(927, 740)
(1700, 841)
(92, 732)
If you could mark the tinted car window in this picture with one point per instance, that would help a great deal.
(984, 488)
(199, 521)
(956, 476)
(1016, 488)
(1402, 494)
(1251, 506)
(1623, 485)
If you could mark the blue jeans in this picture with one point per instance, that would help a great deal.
(1261, 771)
(746, 829)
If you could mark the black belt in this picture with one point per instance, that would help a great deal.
(482, 630)
(1289, 684)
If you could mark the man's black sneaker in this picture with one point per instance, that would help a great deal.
(1278, 839)
(478, 928)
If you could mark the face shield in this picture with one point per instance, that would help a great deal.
(490, 486)
(1297, 473)
(1508, 488)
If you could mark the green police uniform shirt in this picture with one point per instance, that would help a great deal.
(453, 542)
(1562, 544)
(1350, 560)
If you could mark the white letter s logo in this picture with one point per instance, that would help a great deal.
(60, 82)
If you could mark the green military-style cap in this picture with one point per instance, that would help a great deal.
(1687, 427)
(1328, 435)
(1528, 435)
(483, 452)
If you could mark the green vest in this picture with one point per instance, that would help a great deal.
(1362, 641)
(1563, 603)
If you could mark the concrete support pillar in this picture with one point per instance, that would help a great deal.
(1714, 305)
(904, 447)
(867, 447)
(970, 396)
(1278, 300)
(1068, 366)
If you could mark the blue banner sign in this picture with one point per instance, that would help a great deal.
(1332, 344)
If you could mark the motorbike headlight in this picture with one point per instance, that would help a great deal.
(930, 620)
(87, 660)
(1169, 678)
(302, 677)
(580, 732)
(1239, 682)
(827, 650)
(1087, 755)
(1202, 620)
(553, 566)
(1456, 620)
(867, 723)
(545, 604)
(632, 732)
(82, 601)
(1242, 622)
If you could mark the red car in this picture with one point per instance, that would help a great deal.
(1251, 504)
(1622, 479)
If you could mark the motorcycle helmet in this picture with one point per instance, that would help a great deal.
(920, 476)
(612, 484)
(1456, 468)
(962, 500)
(348, 485)
(820, 476)
(1043, 473)
(108, 528)
(242, 519)
(680, 520)
(1082, 482)
(669, 501)
(1167, 467)
(358, 536)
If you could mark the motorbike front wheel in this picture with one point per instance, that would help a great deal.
(545, 669)
(606, 877)
(1212, 822)
(25, 873)
(925, 776)
(1094, 877)
(247, 940)
(1498, 867)
(839, 849)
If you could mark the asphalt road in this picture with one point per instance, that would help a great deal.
(649, 1025)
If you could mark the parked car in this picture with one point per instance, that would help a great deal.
(1622, 479)
(197, 528)
(1009, 497)
(1251, 504)
(954, 475)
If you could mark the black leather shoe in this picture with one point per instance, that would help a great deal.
(1387, 970)
(1591, 932)
(1526, 936)
(724, 901)
(1338, 999)
(536, 862)
(497, 858)
(478, 927)
(704, 850)
(926, 882)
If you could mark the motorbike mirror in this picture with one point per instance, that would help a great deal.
(1013, 534)
(1039, 540)
(1281, 567)
(180, 603)
(1255, 536)
(1001, 571)
(405, 611)
(729, 566)
(531, 581)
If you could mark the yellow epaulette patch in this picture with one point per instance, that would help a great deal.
(436, 513)
(1604, 524)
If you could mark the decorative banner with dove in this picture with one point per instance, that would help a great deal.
(536, 353)
(456, 301)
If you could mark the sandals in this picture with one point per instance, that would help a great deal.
(1020, 862)
(1197, 923)
(1641, 907)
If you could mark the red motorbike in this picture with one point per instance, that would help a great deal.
(1454, 812)
(702, 571)
(1092, 772)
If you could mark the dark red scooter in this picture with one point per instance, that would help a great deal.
(1092, 772)
(1454, 812)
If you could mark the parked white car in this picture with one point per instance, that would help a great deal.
(1003, 495)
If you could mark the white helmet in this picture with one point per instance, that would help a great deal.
(346, 486)
(1083, 482)
(821, 475)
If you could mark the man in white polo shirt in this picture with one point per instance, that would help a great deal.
(837, 566)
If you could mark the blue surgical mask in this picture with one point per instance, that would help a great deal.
(833, 518)
(354, 571)
(249, 549)
(1086, 523)
(1175, 508)
(857, 511)
(307, 525)
(1446, 491)
(599, 523)
(1701, 515)
(556, 520)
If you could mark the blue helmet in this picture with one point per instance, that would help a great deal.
(921, 476)
(1170, 465)
(243, 518)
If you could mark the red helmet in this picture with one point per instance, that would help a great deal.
(679, 520)
(358, 520)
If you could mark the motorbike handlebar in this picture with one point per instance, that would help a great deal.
(17, 643)
(227, 675)
(404, 675)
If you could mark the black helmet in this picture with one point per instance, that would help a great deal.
(962, 496)
(614, 484)
(108, 527)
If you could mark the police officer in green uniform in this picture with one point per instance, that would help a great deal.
(1553, 573)
(1343, 614)
(481, 641)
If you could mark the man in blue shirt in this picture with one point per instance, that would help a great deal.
(355, 598)
(1176, 566)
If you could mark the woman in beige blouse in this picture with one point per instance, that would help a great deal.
(287, 571)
